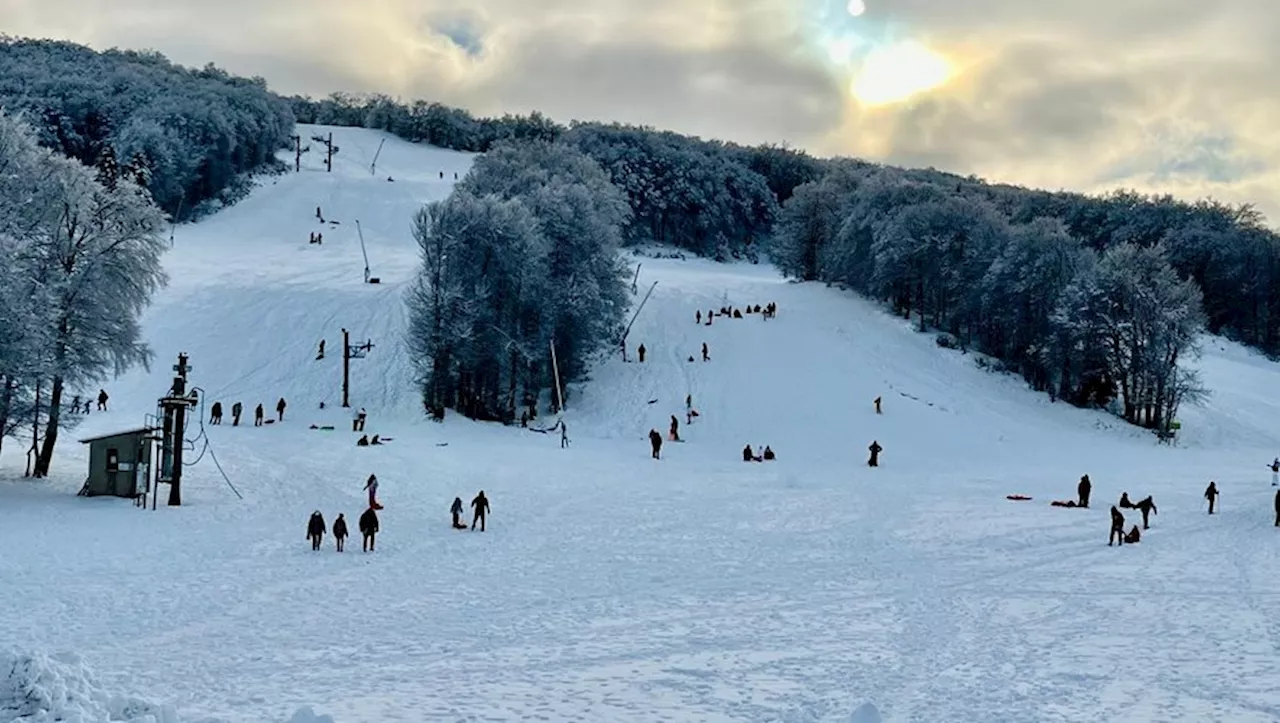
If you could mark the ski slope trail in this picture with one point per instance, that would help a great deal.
(613, 587)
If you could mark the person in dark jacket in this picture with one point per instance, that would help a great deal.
(369, 528)
(236, 409)
(456, 510)
(1125, 503)
(1134, 535)
(215, 415)
(706, 355)
(340, 531)
(257, 416)
(698, 317)
(480, 506)
(768, 455)
(1147, 506)
(877, 405)
(875, 454)
(675, 429)
(102, 400)
(1084, 489)
(1211, 494)
(315, 529)
(1117, 527)
(747, 454)
(655, 442)
(320, 355)
(1277, 508)
(280, 405)
(641, 351)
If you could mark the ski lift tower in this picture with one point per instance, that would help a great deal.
(367, 278)
(174, 406)
(349, 352)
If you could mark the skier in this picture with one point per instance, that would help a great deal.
(369, 528)
(875, 454)
(768, 455)
(1117, 527)
(216, 414)
(1147, 506)
(340, 531)
(236, 409)
(357, 424)
(280, 405)
(655, 442)
(372, 486)
(706, 356)
(315, 529)
(257, 416)
(481, 506)
(674, 434)
(564, 435)
(1084, 489)
(456, 510)
(640, 351)
(1211, 494)
(102, 400)
(320, 355)
(877, 405)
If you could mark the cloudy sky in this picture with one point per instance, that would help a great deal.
(1180, 96)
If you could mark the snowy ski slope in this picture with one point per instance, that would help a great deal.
(610, 587)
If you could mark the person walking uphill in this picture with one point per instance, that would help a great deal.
(215, 414)
(641, 352)
(1211, 494)
(1117, 527)
(369, 528)
(655, 442)
(1084, 489)
(340, 531)
(875, 454)
(257, 416)
(456, 510)
(102, 400)
(480, 505)
(280, 405)
(236, 409)
(315, 529)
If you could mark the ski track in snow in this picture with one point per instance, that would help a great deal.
(614, 588)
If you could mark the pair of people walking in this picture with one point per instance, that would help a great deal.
(479, 508)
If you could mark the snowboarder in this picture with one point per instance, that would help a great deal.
(640, 351)
(236, 409)
(706, 356)
(357, 424)
(102, 400)
(320, 355)
(875, 454)
(369, 528)
(674, 434)
(1211, 494)
(280, 405)
(747, 454)
(456, 510)
(1117, 527)
(481, 507)
(564, 435)
(315, 529)
(655, 442)
(340, 531)
(1147, 507)
(1084, 489)
(768, 455)
(1124, 501)
(877, 405)
(216, 415)
(372, 486)
(257, 416)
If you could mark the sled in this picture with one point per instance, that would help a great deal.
(375, 506)
(653, 401)
(1067, 503)
(442, 444)
(326, 428)
(1017, 498)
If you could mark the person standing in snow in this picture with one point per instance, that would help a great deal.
(1277, 508)
(315, 529)
(1117, 527)
(481, 507)
(697, 318)
(710, 316)
(372, 486)
(257, 416)
(357, 424)
(87, 403)
(280, 405)
(1275, 471)
(875, 454)
(655, 442)
(1084, 489)
(1211, 494)
(75, 405)
(706, 355)
(340, 531)
(641, 351)
(368, 528)
(675, 429)
(215, 416)
(564, 435)
(1147, 507)
(456, 510)
(236, 409)
(102, 400)
(320, 354)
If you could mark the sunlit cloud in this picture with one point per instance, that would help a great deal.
(894, 73)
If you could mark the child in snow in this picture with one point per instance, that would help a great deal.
(456, 510)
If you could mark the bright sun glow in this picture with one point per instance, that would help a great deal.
(857, 7)
(897, 72)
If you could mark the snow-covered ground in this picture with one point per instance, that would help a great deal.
(611, 587)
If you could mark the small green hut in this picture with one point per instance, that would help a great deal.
(120, 463)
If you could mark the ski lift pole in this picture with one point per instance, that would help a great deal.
(373, 166)
(363, 252)
(555, 366)
(627, 331)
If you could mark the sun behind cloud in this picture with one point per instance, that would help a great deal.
(899, 71)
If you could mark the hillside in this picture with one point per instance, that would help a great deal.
(613, 587)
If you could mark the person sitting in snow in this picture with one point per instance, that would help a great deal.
(340, 531)
(369, 528)
(315, 529)
(456, 510)
(1125, 504)
(768, 454)
(363, 441)
(1133, 536)
(747, 454)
